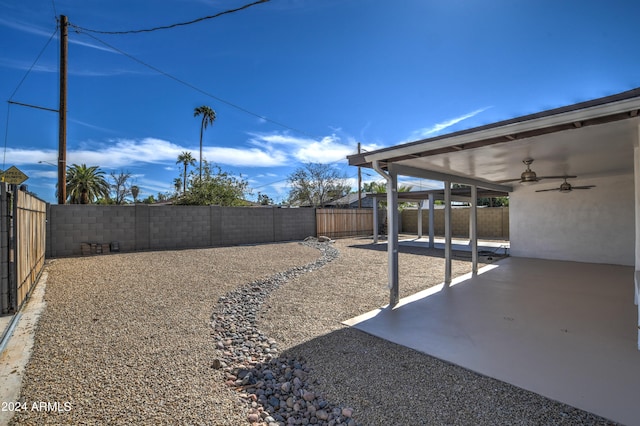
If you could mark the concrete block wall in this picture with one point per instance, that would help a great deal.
(70, 225)
(172, 227)
(148, 227)
(493, 222)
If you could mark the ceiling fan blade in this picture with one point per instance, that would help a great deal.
(508, 180)
(545, 190)
(583, 187)
(557, 177)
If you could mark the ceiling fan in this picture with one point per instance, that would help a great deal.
(566, 186)
(529, 177)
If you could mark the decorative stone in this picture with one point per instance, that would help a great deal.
(248, 358)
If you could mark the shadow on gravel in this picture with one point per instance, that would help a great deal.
(410, 249)
(386, 383)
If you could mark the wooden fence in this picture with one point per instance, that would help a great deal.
(31, 229)
(23, 234)
(335, 223)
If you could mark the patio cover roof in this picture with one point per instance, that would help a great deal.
(506, 143)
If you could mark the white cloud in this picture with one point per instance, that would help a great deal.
(22, 65)
(251, 157)
(123, 152)
(329, 149)
(25, 27)
(48, 174)
(18, 157)
(281, 188)
(32, 29)
(436, 128)
(120, 153)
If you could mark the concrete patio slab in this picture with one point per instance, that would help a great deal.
(564, 330)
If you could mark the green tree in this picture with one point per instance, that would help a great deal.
(177, 185)
(186, 159)
(487, 201)
(149, 200)
(216, 187)
(316, 184)
(264, 199)
(381, 188)
(208, 117)
(86, 184)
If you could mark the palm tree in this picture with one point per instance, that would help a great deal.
(135, 190)
(86, 184)
(208, 117)
(177, 184)
(187, 160)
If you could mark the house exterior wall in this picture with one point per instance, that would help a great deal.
(595, 225)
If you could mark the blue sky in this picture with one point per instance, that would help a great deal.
(326, 74)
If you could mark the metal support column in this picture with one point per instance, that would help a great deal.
(420, 219)
(431, 221)
(392, 238)
(636, 164)
(376, 226)
(392, 231)
(447, 233)
(473, 229)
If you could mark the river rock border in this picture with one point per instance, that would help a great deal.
(275, 388)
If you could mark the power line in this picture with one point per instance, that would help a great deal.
(166, 27)
(9, 101)
(34, 63)
(197, 89)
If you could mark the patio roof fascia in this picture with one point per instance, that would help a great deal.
(445, 177)
(508, 132)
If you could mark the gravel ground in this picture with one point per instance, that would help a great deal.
(127, 340)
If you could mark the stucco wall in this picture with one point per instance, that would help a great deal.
(595, 225)
(143, 227)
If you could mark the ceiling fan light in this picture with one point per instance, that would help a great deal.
(565, 187)
(527, 182)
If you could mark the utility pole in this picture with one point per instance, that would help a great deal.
(359, 182)
(62, 112)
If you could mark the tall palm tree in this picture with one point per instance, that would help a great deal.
(187, 160)
(208, 117)
(86, 184)
(135, 190)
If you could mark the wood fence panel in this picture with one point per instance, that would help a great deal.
(30, 234)
(336, 223)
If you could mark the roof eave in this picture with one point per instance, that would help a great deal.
(598, 111)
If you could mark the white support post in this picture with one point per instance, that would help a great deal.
(447, 233)
(420, 219)
(473, 229)
(392, 230)
(376, 226)
(431, 221)
(392, 238)
(636, 164)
